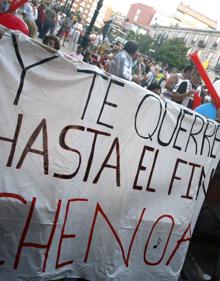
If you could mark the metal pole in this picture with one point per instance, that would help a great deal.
(85, 40)
(65, 6)
(69, 10)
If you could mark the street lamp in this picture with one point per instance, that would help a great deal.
(85, 40)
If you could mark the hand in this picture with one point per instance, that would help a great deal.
(190, 93)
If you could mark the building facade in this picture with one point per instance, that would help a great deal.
(141, 15)
(207, 42)
(87, 8)
(187, 17)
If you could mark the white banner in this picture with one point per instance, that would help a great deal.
(100, 178)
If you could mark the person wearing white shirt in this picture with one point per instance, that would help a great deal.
(78, 27)
(28, 11)
(121, 65)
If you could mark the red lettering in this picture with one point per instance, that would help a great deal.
(99, 210)
(183, 239)
(47, 246)
(165, 247)
(44, 152)
(14, 140)
(64, 235)
(13, 196)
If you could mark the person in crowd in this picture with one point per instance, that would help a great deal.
(98, 40)
(52, 42)
(106, 29)
(78, 27)
(153, 72)
(160, 77)
(35, 9)
(41, 17)
(176, 78)
(50, 21)
(28, 11)
(104, 61)
(185, 89)
(65, 29)
(155, 88)
(32, 27)
(77, 54)
(4, 6)
(121, 64)
(92, 38)
(71, 36)
(137, 67)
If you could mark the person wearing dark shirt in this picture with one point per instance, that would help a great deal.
(184, 91)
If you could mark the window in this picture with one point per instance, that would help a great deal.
(186, 37)
(215, 44)
(209, 56)
(135, 18)
(201, 43)
(195, 38)
(206, 39)
(138, 12)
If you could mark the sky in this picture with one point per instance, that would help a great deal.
(209, 8)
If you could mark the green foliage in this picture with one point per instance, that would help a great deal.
(172, 52)
(131, 35)
(144, 41)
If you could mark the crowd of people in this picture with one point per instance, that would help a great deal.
(127, 63)
(56, 29)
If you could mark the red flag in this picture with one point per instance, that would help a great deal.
(195, 58)
(15, 4)
(196, 100)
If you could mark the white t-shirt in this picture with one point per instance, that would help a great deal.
(216, 84)
(121, 65)
(78, 26)
(181, 88)
(28, 11)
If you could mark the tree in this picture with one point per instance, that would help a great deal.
(144, 41)
(172, 52)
